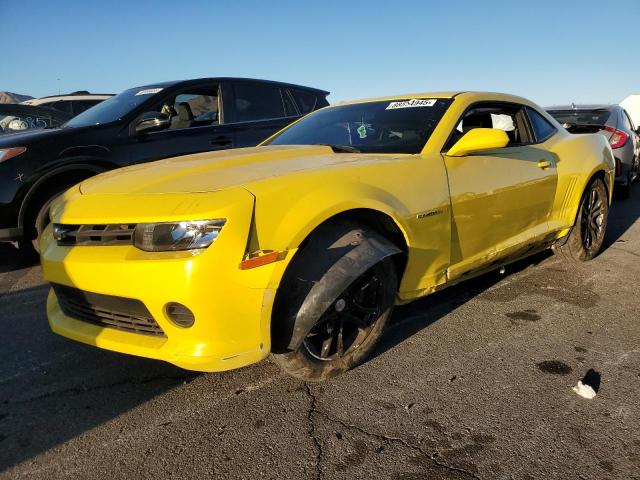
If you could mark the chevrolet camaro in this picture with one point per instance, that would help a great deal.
(300, 247)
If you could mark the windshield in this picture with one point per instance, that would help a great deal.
(581, 117)
(113, 108)
(391, 126)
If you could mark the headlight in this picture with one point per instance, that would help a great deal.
(7, 153)
(171, 236)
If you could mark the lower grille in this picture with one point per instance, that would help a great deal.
(108, 311)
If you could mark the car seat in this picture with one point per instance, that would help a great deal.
(184, 118)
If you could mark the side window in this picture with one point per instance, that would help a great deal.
(62, 105)
(257, 102)
(507, 117)
(195, 107)
(542, 129)
(12, 123)
(306, 101)
(80, 106)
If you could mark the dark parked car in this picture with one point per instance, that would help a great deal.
(139, 125)
(616, 124)
(18, 118)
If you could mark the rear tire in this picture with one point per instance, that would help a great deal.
(588, 232)
(349, 330)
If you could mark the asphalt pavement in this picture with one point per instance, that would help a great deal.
(474, 382)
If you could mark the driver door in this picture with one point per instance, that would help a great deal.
(196, 126)
(501, 199)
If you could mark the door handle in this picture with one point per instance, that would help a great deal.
(221, 141)
(544, 164)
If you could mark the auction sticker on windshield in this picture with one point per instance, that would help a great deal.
(413, 103)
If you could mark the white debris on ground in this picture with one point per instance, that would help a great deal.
(584, 391)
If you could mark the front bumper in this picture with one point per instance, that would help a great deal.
(232, 307)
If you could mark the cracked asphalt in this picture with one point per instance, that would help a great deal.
(473, 382)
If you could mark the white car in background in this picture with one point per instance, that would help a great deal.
(72, 103)
(632, 105)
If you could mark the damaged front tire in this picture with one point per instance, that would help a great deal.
(333, 314)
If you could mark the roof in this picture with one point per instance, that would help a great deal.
(594, 106)
(402, 97)
(173, 83)
(489, 96)
(74, 95)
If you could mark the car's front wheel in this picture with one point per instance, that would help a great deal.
(348, 331)
(588, 232)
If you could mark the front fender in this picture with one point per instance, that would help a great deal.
(287, 228)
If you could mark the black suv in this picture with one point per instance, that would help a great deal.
(139, 125)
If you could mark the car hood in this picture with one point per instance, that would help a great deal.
(210, 171)
(35, 136)
(19, 139)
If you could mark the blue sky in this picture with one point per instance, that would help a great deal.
(549, 51)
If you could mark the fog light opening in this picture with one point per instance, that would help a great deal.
(179, 314)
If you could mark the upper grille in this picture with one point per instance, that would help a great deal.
(107, 311)
(74, 235)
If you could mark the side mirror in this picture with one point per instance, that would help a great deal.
(151, 122)
(478, 140)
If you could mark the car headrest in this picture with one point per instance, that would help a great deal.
(184, 112)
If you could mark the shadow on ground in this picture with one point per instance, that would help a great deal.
(53, 389)
(622, 216)
(418, 315)
(414, 317)
(13, 259)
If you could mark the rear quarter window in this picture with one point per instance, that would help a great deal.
(306, 101)
(257, 102)
(542, 129)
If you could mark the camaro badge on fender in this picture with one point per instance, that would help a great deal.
(428, 214)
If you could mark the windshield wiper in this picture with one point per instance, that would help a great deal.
(341, 148)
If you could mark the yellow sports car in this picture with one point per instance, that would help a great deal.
(300, 247)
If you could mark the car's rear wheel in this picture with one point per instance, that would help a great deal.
(588, 232)
(348, 331)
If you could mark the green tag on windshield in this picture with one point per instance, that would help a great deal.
(362, 131)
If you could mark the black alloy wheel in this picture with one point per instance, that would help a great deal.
(588, 233)
(592, 220)
(349, 321)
